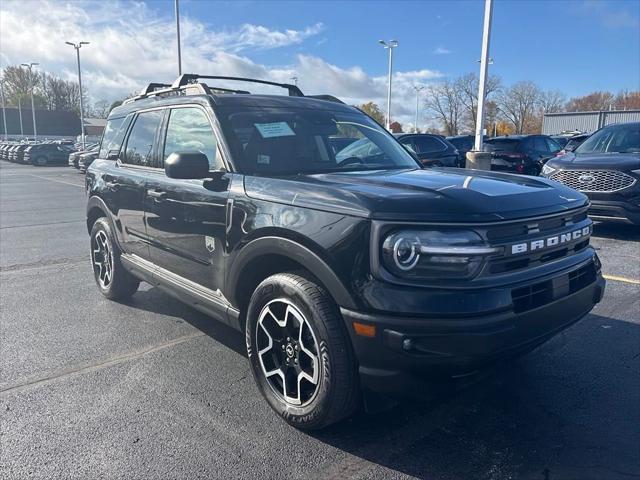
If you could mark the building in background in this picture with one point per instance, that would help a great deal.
(585, 122)
(51, 124)
(94, 127)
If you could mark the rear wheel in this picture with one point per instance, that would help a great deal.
(300, 353)
(112, 279)
(40, 161)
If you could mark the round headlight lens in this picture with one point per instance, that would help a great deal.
(405, 254)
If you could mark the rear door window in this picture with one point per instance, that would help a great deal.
(140, 144)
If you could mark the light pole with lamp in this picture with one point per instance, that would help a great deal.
(389, 46)
(33, 108)
(4, 113)
(78, 47)
(418, 89)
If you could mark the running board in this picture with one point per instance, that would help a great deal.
(210, 302)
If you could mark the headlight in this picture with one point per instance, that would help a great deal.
(547, 170)
(433, 254)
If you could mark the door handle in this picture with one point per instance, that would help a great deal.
(157, 195)
(112, 186)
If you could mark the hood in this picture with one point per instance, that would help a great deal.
(600, 161)
(443, 195)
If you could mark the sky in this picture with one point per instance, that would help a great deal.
(575, 46)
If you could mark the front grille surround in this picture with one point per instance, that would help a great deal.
(604, 181)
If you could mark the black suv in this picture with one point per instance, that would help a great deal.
(348, 274)
(524, 154)
(606, 167)
(430, 150)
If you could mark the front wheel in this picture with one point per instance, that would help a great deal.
(300, 353)
(112, 279)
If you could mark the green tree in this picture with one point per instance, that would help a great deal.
(373, 110)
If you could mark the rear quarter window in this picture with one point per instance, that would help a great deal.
(113, 135)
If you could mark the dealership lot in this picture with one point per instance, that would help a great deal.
(153, 389)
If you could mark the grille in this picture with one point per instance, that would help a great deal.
(594, 180)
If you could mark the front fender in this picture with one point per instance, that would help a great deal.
(271, 245)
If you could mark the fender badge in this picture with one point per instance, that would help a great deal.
(210, 243)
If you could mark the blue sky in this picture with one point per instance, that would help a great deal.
(576, 46)
(572, 45)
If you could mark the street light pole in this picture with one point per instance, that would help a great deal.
(389, 46)
(418, 89)
(177, 8)
(4, 113)
(484, 68)
(78, 47)
(33, 108)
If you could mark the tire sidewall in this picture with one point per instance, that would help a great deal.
(102, 224)
(316, 411)
(41, 161)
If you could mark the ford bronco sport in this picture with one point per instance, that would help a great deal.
(348, 273)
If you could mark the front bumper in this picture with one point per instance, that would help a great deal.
(615, 210)
(408, 350)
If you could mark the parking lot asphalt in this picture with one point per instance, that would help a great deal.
(150, 388)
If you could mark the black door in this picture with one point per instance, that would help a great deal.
(186, 219)
(127, 181)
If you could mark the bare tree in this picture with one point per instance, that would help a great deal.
(18, 82)
(444, 101)
(518, 104)
(592, 102)
(552, 101)
(467, 86)
(101, 109)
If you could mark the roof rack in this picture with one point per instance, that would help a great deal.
(187, 84)
(188, 78)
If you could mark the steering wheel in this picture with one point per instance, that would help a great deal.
(350, 161)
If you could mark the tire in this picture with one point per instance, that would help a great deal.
(313, 327)
(113, 281)
(40, 161)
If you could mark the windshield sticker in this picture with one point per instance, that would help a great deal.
(276, 129)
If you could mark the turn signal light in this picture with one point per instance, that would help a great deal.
(364, 330)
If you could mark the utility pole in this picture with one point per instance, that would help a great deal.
(33, 108)
(484, 68)
(78, 46)
(418, 89)
(177, 8)
(389, 46)
(295, 80)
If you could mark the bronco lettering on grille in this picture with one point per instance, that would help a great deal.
(544, 243)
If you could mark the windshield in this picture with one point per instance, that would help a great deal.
(623, 138)
(288, 141)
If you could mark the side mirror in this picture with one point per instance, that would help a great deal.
(187, 165)
(113, 155)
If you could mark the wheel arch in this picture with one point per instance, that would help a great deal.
(269, 255)
(96, 208)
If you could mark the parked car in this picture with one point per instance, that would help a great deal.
(430, 150)
(86, 158)
(18, 153)
(575, 141)
(605, 167)
(46, 154)
(561, 140)
(348, 273)
(74, 157)
(464, 144)
(524, 154)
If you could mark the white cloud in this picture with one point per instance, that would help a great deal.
(441, 51)
(611, 17)
(132, 45)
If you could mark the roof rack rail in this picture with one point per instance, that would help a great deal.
(187, 78)
(328, 98)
